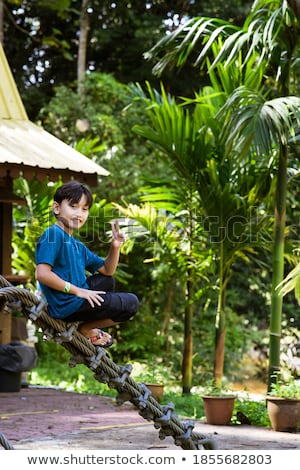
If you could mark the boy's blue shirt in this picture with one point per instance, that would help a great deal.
(69, 259)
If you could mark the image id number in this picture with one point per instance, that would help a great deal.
(229, 459)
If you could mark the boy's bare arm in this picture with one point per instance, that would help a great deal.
(46, 276)
(112, 259)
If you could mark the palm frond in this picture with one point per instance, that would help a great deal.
(250, 119)
(184, 135)
(175, 49)
(291, 282)
(270, 28)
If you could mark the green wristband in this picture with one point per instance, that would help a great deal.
(67, 287)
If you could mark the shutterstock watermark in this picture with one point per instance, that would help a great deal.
(236, 229)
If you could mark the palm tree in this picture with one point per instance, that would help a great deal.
(229, 195)
(265, 120)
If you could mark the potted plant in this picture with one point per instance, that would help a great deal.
(218, 404)
(283, 405)
(153, 380)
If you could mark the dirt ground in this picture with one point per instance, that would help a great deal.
(42, 418)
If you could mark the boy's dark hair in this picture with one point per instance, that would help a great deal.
(72, 191)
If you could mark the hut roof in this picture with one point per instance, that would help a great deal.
(29, 150)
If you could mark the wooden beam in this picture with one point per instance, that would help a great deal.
(5, 327)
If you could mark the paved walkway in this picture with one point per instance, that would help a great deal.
(40, 418)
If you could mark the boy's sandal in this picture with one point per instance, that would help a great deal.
(95, 340)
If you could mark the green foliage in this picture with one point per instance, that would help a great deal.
(290, 389)
(291, 283)
(253, 410)
(96, 114)
(56, 5)
(187, 406)
(52, 370)
(211, 388)
(153, 371)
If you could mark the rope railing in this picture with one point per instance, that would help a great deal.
(105, 369)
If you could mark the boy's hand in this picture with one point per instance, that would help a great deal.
(92, 296)
(118, 238)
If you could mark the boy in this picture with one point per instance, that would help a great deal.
(62, 262)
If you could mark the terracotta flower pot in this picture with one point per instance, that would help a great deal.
(218, 410)
(157, 390)
(284, 413)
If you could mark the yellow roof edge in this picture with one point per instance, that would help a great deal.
(11, 105)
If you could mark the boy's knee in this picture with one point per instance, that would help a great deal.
(134, 301)
(130, 305)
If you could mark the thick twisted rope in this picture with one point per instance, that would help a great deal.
(5, 443)
(105, 370)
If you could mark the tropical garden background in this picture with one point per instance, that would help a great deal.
(194, 111)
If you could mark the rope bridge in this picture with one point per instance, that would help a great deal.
(105, 370)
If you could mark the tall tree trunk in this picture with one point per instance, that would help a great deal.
(166, 320)
(279, 222)
(187, 362)
(220, 336)
(220, 323)
(278, 266)
(82, 45)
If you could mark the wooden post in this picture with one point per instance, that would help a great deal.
(5, 237)
(5, 327)
(7, 198)
(5, 264)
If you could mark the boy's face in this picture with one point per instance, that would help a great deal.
(71, 216)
